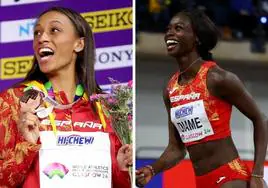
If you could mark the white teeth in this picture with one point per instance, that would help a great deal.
(44, 50)
(172, 42)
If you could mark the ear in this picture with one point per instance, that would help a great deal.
(79, 45)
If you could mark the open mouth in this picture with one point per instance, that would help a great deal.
(171, 43)
(45, 53)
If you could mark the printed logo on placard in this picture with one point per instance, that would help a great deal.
(55, 169)
(93, 171)
(63, 140)
(184, 111)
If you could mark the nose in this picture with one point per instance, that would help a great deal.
(169, 33)
(43, 37)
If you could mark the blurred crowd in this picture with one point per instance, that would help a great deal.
(236, 19)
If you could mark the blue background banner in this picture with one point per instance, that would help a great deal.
(111, 22)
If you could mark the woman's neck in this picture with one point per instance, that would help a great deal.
(189, 65)
(66, 83)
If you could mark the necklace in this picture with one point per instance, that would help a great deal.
(191, 65)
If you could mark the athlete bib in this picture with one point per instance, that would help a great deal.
(191, 121)
(75, 160)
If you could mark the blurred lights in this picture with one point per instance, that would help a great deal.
(263, 20)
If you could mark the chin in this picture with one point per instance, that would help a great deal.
(45, 69)
(173, 53)
(177, 53)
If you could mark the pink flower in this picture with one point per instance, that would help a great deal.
(129, 117)
(112, 100)
(130, 83)
(105, 96)
(94, 97)
(130, 127)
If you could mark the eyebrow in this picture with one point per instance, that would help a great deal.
(180, 23)
(53, 21)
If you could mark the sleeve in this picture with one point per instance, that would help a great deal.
(16, 154)
(120, 178)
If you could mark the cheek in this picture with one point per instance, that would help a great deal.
(189, 42)
(35, 46)
(66, 47)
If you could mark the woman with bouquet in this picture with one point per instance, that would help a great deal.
(51, 134)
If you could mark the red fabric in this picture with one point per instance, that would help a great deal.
(16, 155)
(19, 165)
(234, 170)
(218, 111)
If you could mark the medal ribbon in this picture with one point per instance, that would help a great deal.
(47, 89)
(101, 115)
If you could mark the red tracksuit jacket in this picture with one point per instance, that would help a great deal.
(19, 165)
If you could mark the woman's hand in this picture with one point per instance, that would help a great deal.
(124, 157)
(143, 176)
(257, 183)
(28, 124)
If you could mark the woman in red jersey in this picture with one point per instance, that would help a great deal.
(51, 135)
(199, 99)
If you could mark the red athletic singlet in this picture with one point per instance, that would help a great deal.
(198, 116)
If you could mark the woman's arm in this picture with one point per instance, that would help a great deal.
(175, 151)
(227, 86)
(173, 154)
(16, 154)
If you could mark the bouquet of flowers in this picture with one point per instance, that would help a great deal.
(118, 107)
